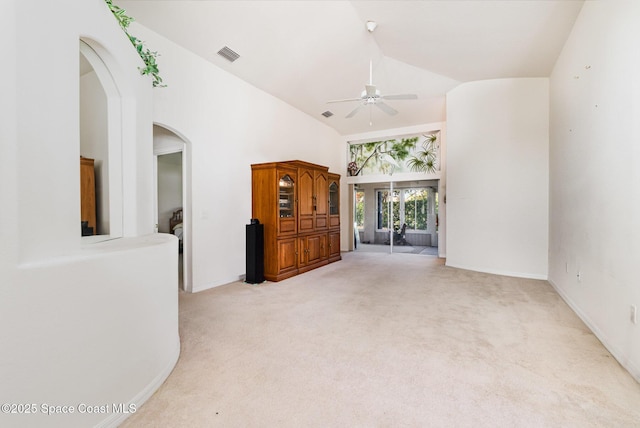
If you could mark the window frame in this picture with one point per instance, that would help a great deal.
(364, 209)
(401, 208)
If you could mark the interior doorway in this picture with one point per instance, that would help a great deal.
(172, 201)
(398, 217)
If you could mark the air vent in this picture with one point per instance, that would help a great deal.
(228, 54)
(327, 114)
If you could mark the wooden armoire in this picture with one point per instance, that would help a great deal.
(88, 196)
(299, 205)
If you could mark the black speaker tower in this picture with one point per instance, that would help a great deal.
(255, 252)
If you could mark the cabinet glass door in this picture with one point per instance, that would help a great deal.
(334, 204)
(285, 197)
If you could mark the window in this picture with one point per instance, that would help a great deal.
(359, 217)
(409, 206)
(385, 198)
(415, 208)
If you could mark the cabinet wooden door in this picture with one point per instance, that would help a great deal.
(313, 200)
(334, 200)
(321, 194)
(313, 250)
(306, 178)
(334, 246)
(316, 248)
(287, 255)
(286, 202)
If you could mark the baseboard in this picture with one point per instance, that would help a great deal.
(116, 419)
(617, 354)
(500, 272)
(205, 287)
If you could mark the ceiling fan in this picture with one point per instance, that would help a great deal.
(371, 96)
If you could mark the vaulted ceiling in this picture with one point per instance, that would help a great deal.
(309, 52)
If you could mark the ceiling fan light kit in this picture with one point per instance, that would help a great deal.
(371, 96)
(371, 26)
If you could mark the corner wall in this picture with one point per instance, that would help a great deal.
(497, 177)
(594, 233)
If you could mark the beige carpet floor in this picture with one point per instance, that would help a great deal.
(389, 340)
(406, 249)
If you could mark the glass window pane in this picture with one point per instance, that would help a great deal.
(415, 208)
(410, 214)
(383, 215)
(383, 200)
(360, 209)
(333, 199)
(286, 197)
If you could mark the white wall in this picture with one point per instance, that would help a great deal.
(594, 174)
(229, 125)
(82, 323)
(497, 177)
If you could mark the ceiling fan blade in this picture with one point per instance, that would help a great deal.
(345, 100)
(356, 110)
(385, 108)
(370, 90)
(400, 97)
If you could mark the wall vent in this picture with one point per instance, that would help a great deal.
(327, 114)
(228, 54)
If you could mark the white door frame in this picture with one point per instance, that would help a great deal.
(184, 148)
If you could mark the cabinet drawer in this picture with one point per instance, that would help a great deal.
(306, 224)
(287, 226)
(321, 222)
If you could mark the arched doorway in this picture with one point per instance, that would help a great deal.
(172, 177)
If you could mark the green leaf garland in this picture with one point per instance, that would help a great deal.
(148, 56)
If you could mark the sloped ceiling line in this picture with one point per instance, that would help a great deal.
(308, 52)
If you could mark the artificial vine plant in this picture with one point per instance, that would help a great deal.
(149, 57)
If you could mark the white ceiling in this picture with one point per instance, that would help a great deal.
(308, 52)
